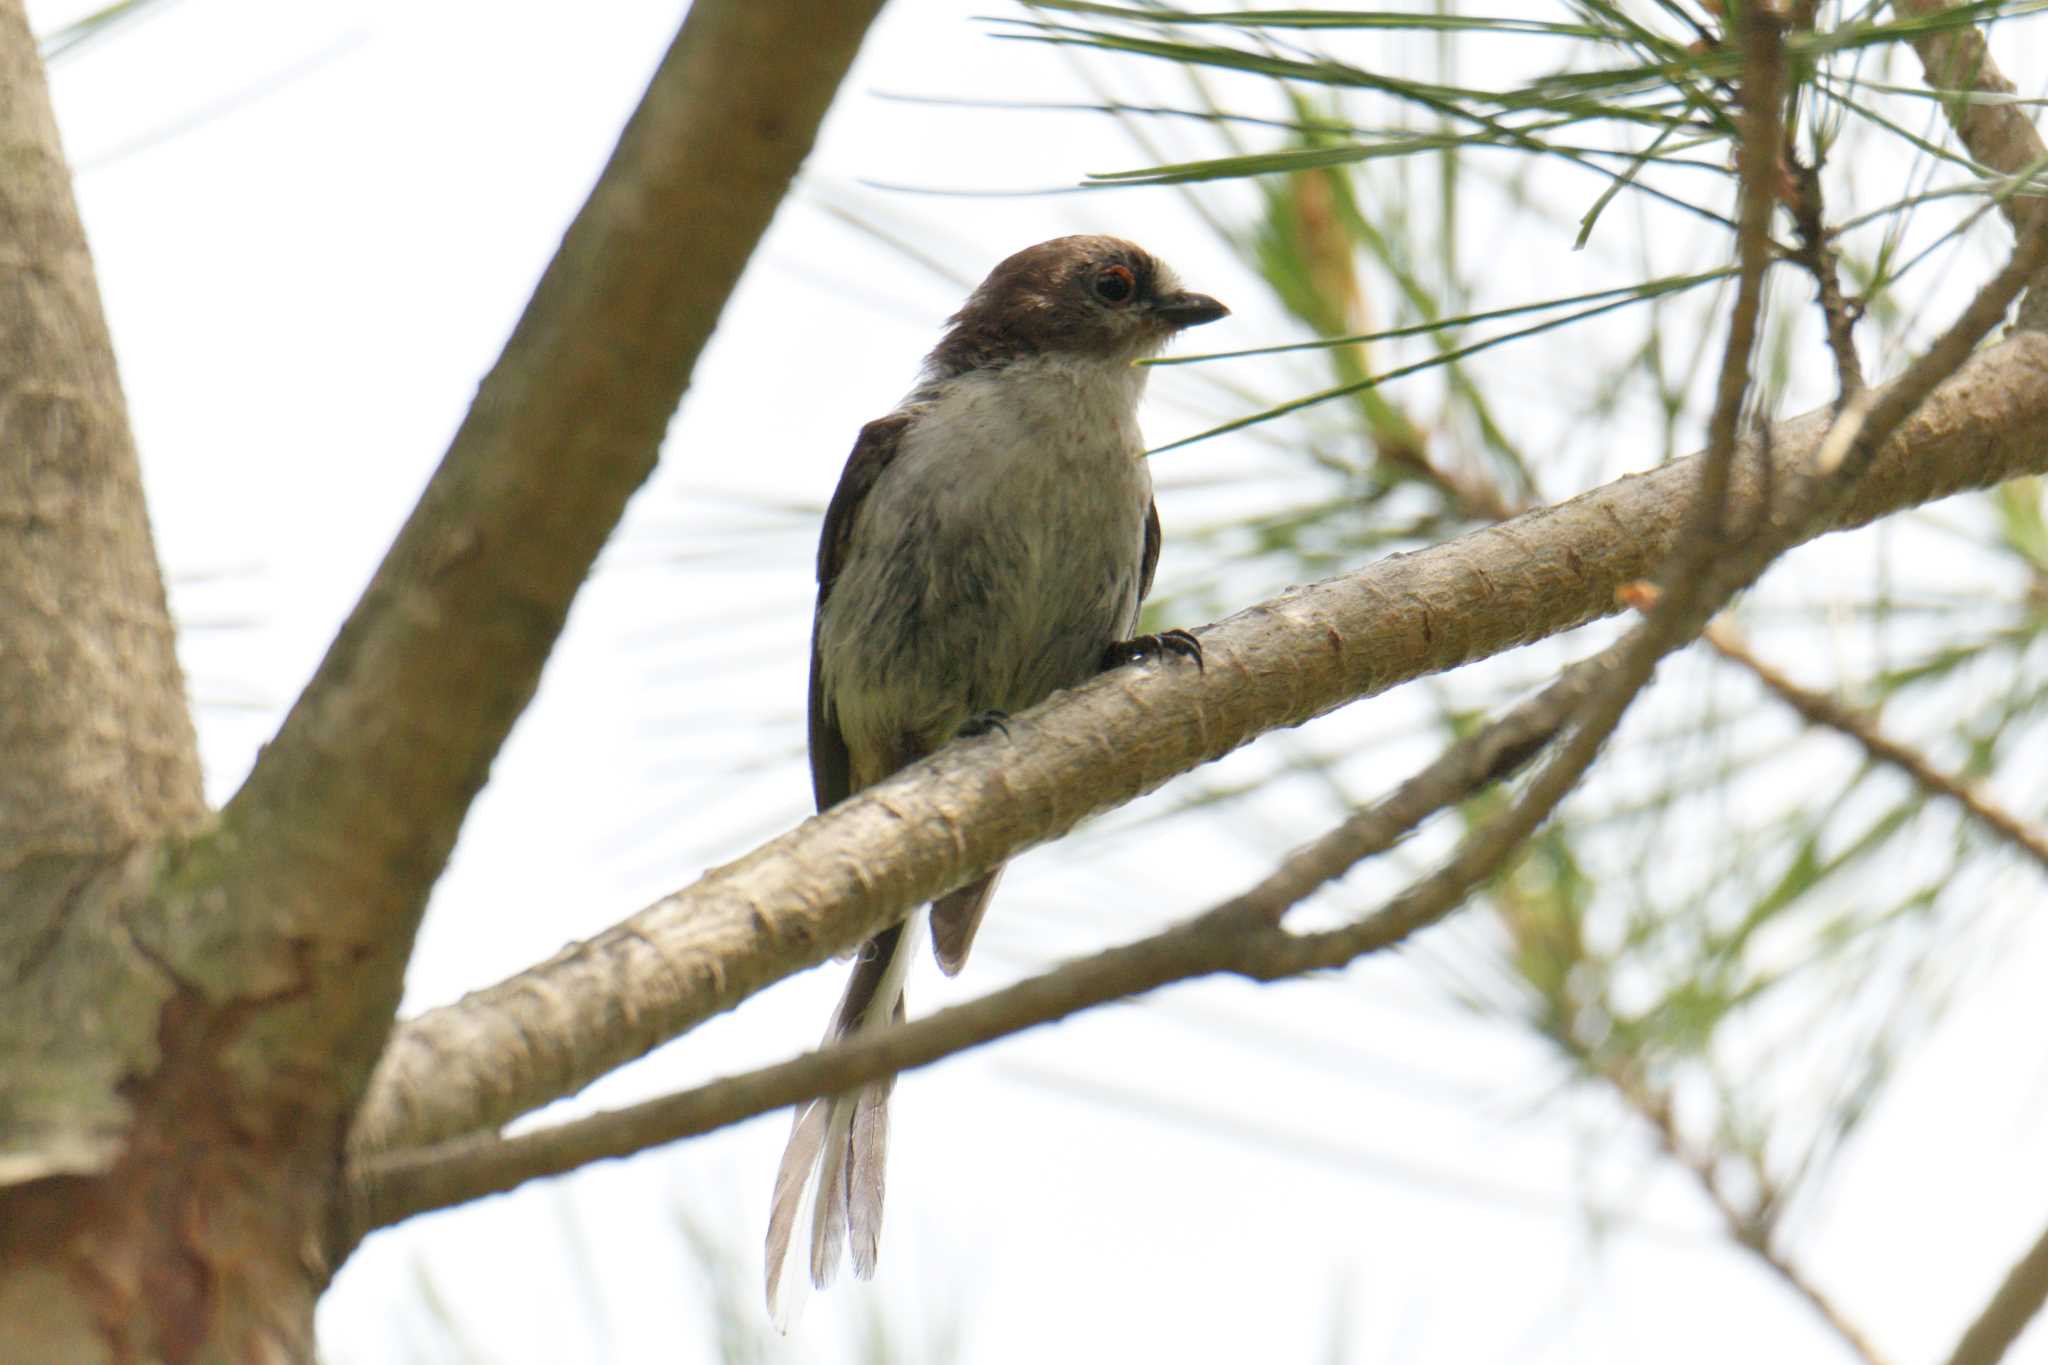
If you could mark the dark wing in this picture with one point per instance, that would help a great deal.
(877, 446)
(1151, 559)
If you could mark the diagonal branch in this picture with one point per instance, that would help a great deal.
(1710, 561)
(1752, 1231)
(1995, 131)
(1243, 935)
(2016, 1303)
(841, 876)
(1820, 709)
(328, 851)
(393, 1186)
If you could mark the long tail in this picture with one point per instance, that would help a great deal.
(830, 1181)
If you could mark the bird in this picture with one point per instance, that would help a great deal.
(989, 543)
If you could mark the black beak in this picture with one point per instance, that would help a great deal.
(1187, 310)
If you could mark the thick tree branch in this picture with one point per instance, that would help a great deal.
(1231, 937)
(99, 745)
(327, 853)
(842, 875)
(100, 756)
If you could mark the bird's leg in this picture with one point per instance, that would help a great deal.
(1146, 648)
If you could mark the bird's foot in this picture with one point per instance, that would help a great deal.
(982, 723)
(1146, 648)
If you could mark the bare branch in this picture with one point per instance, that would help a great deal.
(1231, 937)
(1995, 132)
(1491, 755)
(1753, 1233)
(1242, 935)
(328, 851)
(1760, 166)
(841, 876)
(2017, 1302)
(834, 880)
(1819, 709)
(99, 744)
(100, 755)
(1838, 312)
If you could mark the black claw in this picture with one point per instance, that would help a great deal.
(1184, 643)
(977, 725)
(1146, 648)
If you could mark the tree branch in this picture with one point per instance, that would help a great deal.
(99, 744)
(1820, 709)
(1997, 133)
(1233, 936)
(2017, 1302)
(332, 844)
(842, 875)
(1753, 1233)
(100, 755)
(1957, 63)
(1816, 252)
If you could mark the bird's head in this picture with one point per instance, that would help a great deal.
(1082, 296)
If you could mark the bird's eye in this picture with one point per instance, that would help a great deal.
(1115, 284)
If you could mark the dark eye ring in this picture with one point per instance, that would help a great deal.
(1115, 284)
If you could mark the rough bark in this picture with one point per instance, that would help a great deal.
(193, 1007)
(99, 750)
(100, 763)
(839, 877)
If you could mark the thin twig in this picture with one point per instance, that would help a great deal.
(1820, 709)
(1817, 253)
(1481, 759)
(1763, 98)
(1704, 574)
(1755, 1233)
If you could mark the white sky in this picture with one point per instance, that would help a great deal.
(314, 225)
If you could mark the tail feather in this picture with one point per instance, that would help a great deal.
(955, 917)
(868, 1147)
(792, 1180)
(828, 1214)
(830, 1183)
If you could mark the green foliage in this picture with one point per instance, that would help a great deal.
(1496, 254)
(1735, 907)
